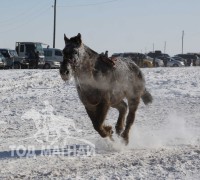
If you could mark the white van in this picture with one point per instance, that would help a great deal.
(26, 51)
(53, 58)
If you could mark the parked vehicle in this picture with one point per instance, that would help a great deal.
(196, 62)
(12, 60)
(147, 62)
(116, 55)
(138, 58)
(190, 59)
(2, 61)
(29, 50)
(171, 62)
(158, 62)
(178, 58)
(53, 58)
(157, 54)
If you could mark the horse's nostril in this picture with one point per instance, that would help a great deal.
(66, 72)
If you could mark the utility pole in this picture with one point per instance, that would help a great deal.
(182, 40)
(54, 25)
(165, 47)
(153, 47)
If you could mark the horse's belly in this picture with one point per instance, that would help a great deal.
(116, 97)
(90, 97)
(93, 96)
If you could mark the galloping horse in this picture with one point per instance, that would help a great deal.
(101, 86)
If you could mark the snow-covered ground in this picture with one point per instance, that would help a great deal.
(38, 110)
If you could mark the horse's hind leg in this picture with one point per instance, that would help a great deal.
(98, 114)
(122, 108)
(133, 104)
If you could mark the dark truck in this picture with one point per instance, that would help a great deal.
(2, 61)
(12, 60)
(32, 52)
(190, 59)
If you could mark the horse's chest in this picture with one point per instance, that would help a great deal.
(89, 96)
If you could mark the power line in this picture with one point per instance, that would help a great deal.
(89, 4)
(20, 13)
(29, 21)
(27, 17)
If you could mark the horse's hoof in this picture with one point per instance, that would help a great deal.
(118, 130)
(108, 129)
(126, 141)
(125, 138)
(103, 134)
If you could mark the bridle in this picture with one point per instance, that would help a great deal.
(73, 63)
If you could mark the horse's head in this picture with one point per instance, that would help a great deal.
(70, 55)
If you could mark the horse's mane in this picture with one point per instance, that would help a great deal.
(91, 50)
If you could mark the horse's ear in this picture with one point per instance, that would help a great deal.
(78, 38)
(65, 39)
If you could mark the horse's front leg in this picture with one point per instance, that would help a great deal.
(122, 108)
(133, 105)
(98, 114)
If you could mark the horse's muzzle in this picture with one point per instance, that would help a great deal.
(65, 74)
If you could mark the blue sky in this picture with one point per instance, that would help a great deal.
(113, 25)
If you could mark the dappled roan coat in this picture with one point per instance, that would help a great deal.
(101, 86)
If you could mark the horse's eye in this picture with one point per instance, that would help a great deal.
(75, 51)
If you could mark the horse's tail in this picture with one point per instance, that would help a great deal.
(147, 97)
